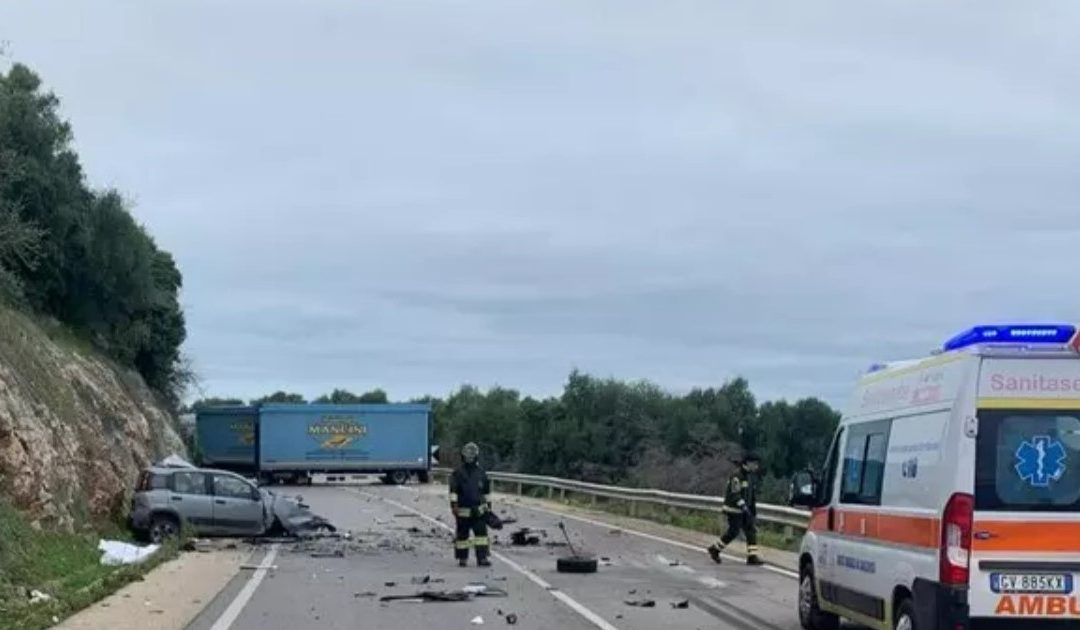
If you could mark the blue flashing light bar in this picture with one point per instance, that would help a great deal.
(1041, 334)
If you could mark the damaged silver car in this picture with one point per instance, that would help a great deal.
(215, 503)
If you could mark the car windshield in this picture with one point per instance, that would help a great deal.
(1028, 461)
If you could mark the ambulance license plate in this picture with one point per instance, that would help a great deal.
(1031, 583)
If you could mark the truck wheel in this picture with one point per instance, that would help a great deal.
(399, 477)
(163, 527)
(424, 477)
(810, 616)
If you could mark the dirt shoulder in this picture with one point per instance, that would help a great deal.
(168, 598)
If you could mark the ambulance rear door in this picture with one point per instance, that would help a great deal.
(1025, 560)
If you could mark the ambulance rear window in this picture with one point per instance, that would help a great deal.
(1028, 461)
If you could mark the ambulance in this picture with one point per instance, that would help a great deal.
(950, 497)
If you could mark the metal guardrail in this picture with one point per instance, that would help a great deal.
(775, 514)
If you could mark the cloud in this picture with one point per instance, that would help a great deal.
(418, 194)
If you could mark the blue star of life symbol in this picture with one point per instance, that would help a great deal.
(1040, 461)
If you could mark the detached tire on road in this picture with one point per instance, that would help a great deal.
(576, 564)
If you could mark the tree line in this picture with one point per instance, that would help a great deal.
(75, 253)
(611, 431)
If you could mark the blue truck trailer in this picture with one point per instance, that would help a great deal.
(295, 441)
(226, 437)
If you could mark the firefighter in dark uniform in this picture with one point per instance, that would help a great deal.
(740, 507)
(469, 490)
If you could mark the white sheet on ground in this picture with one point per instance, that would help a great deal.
(115, 553)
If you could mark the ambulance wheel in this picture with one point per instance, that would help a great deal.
(905, 616)
(576, 564)
(810, 615)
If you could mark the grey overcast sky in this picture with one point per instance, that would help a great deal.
(416, 194)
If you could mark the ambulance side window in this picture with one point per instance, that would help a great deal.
(864, 463)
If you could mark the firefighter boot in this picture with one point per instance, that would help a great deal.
(714, 553)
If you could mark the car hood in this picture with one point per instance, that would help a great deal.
(294, 515)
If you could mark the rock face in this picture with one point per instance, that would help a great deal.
(75, 429)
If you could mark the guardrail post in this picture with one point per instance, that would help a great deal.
(632, 510)
(520, 488)
(562, 494)
(551, 492)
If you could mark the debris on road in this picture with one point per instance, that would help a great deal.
(641, 603)
(364, 594)
(525, 537)
(576, 563)
(429, 596)
(483, 590)
(681, 604)
(390, 584)
(512, 619)
(115, 553)
(477, 621)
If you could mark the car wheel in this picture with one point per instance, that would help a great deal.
(576, 564)
(399, 477)
(905, 616)
(162, 528)
(811, 617)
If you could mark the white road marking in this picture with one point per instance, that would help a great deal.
(229, 616)
(676, 565)
(632, 532)
(570, 602)
(712, 582)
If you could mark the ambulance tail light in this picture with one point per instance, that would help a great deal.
(956, 529)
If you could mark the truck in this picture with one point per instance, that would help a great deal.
(296, 441)
(226, 437)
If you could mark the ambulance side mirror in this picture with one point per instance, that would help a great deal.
(804, 490)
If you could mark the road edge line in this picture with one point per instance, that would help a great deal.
(232, 612)
(568, 601)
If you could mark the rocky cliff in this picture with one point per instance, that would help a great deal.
(75, 429)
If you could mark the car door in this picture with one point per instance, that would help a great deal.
(238, 506)
(189, 496)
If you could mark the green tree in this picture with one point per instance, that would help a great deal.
(20, 246)
(77, 254)
(374, 397)
(213, 401)
(279, 397)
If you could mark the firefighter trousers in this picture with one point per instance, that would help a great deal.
(476, 526)
(741, 523)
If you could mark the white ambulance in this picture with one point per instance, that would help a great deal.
(950, 498)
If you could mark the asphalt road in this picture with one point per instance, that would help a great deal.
(400, 536)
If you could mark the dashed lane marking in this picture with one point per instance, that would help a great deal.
(570, 602)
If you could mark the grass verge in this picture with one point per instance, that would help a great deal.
(65, 566)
